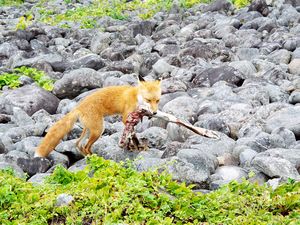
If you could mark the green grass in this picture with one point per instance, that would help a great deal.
(86, 16)
(117, 9)
(12, 79)
(110, 193)
(10, 2)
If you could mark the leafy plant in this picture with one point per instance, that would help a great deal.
(106, 192)
(10, 2)
(241, 3)
(12, 79)
(24, 22)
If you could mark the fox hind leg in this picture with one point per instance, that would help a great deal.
(95, 128)
(78, 145)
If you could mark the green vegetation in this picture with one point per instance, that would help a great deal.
(240, 3)
(110, 193)
(10, 2)
(86, 16)
(117, 9)
(24, 22)
(12, 79)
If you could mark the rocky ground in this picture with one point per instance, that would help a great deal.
(233, 71)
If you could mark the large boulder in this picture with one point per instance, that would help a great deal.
(30, 98)
(74, 82)
(288, 118)
(275, 167)
(210, 76)
(217, 147)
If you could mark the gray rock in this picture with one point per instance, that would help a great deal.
(250, 38)
(280, 56)
(201, 160)
(213, 122)
(228, 159)
(258, 178)
(58, 158)
(210, 76)
(276, 93)
(100, 42)
(186, 172)
(165, 98)
(142, 27)
(288, 118)
(275, 167)
(108, 148)
(149, 59)
(178, 133)
(92, 61)
(294, 66)
(29, 98)
(253, 93)
(34, 166)
(229, 173)
(296, 53)
(294, 97)
(292, 155)
(28, 144)
(74, 82)
(262, 142)
(168, 31)
(2, 148)
(17, 170)
(260, 6)
(171, 85)
(172, 148)
(114, 81)
(69, 148)
(16, 134)
(217, 147)
(145, 164)
(117, 52)
(246, 156)
(7, 49)
(290, 45)
(122, 66)
(52, 59)
(244, 67)
(216, 184)
(183, 108)
(151, 153)
(219, 5)
(247, 53)
(209, 106)
(39, 178)
(64, 200)
(156, 136)
(78, 166)
(21, 118)
(161, 66)
(287, 135)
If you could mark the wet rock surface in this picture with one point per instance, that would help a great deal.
(235, 71)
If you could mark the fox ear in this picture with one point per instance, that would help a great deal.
(141, 78)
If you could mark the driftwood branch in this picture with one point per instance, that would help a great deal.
(130, 141)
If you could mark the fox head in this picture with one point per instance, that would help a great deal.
(149, 93)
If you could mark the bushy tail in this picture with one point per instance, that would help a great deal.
(56, 133)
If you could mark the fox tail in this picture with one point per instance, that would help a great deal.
(56, 133)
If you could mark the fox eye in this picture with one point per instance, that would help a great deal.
(157, 101)
(147, 100)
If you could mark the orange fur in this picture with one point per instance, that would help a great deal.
(91, 111)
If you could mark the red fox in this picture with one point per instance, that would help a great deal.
(91, 111)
